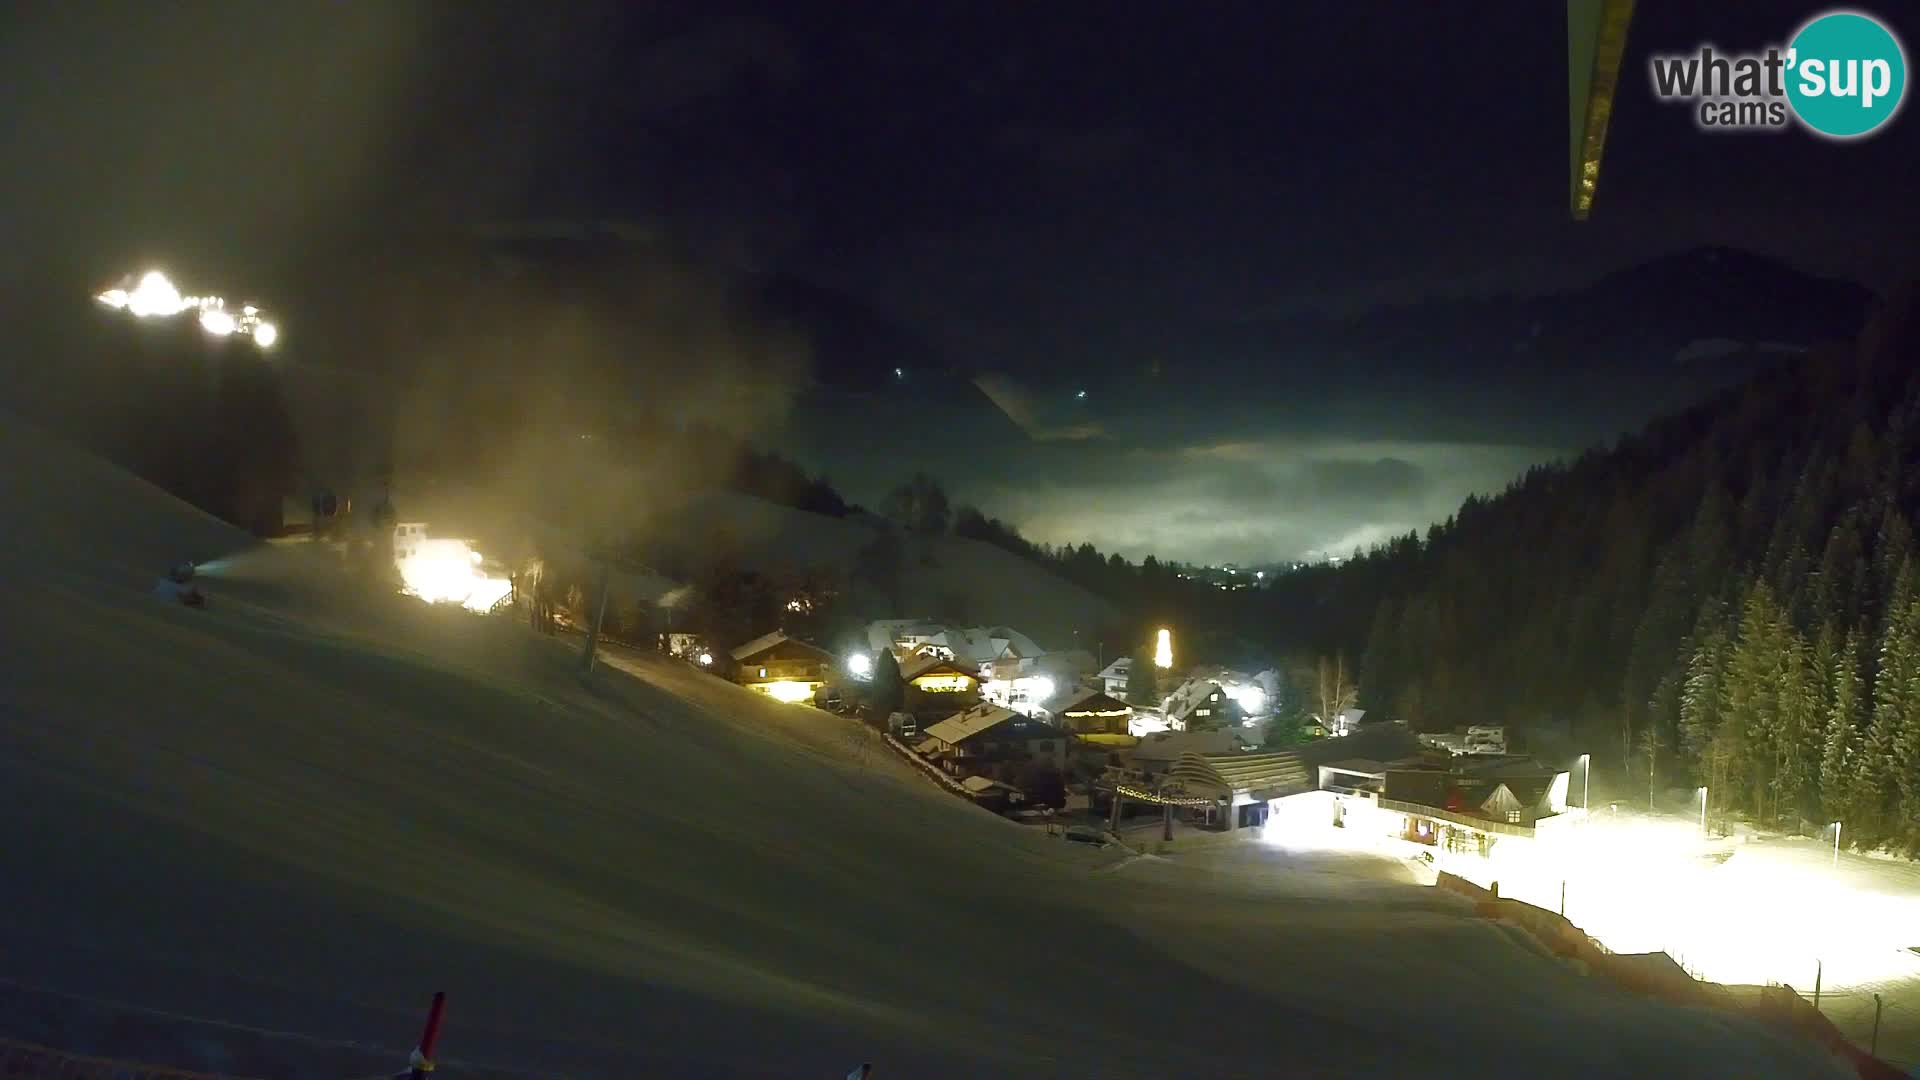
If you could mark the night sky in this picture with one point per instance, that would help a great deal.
(1067, 196)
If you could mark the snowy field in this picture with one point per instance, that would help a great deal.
(1744, 911)
(308, 806)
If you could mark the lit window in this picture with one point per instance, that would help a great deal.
(1203, 712)
(1513, 816)
(763, 673)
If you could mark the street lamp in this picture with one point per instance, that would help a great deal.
(1586, 782)
(1836, 845)
(1703, 810)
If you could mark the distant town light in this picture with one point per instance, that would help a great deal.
(899, 373)
(265, 334)
(1082, 395)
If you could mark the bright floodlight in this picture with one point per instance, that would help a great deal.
(265, 334)
(449, 572)
(860, 665)
(1252, 699)
(217, 322)
(706, 659)
(1163, 649)
(789, 691)
(155, 295)
(1042, 689)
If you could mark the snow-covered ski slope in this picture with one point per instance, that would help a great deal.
(307, 807)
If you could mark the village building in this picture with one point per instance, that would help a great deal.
(991, 794)
(989, 739)
(1202, 704)
(783, 668)
(1215, 783)
(1113, 677)
(1026, 683)
(1458, 804)
(1088, 712)
(969, 646)
(1155, 755)
(937, 687)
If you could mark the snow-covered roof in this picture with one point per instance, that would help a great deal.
(1010, 640)
(758, 645)
(1074, 697)
(1191, 695)
(1119, 669)
(969, 644)
(884, 633)
(916, 666)
(1169, 745)
(978, 784)
(962, 726)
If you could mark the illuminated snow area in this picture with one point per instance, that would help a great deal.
(310, 805)
(1744, 913)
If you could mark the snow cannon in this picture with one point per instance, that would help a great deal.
(179, 585)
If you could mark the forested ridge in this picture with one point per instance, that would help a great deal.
(1730, 597)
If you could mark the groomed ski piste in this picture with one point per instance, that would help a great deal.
(309, 805)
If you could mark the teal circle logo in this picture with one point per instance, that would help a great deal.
(1847, 74)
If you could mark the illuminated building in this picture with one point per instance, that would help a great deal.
(1090, 712)
(1202, 704)
(937, 687)
(781, 667)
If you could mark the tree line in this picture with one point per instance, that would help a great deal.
(1726, 598)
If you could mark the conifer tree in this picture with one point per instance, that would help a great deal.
(1839, 767)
